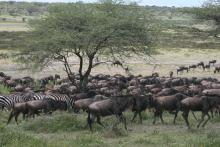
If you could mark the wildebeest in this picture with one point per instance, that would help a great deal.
(140, 103)
(181, 69)
(166, 92)
(17, 109)
(206, 67)
(203, 104)
(217, 69)
(171, 74)
(212, 62)
(200, 64)
(169, 103)
(112, 106)
(192, 66)
(84, 103)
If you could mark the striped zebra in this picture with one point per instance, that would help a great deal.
(62, 97)
(9, 100)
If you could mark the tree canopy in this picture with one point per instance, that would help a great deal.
(88, 31)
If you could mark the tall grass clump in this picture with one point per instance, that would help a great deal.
(5, 90)
(14, 138)
(58, 122)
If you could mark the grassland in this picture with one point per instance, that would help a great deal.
(68, 129)
(165, 61)
(183, 41)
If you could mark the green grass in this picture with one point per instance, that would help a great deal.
(68, 129)
(5, 90)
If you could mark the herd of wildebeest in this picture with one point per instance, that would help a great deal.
(201, 64)
(112, 95)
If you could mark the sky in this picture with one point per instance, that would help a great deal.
(169, 3)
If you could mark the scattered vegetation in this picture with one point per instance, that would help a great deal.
(5, 90)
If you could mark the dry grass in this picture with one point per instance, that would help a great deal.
(167, 60)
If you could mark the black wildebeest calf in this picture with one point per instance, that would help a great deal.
(112, 106)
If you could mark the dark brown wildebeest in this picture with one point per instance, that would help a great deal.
(181, 69)
(195, 90)
(46, 105)
(171, 74)
(17, 109)
(217, 69)
(212, 62)
(206, 67)
(140, 103)
(200, 64)
(193, 67)
(82, 104)
(203, 104)
(169, 103)
(166, 92)
(112, 106)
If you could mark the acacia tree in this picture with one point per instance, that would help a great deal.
(88, 31)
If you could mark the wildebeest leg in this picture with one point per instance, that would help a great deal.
(161, 117)
(89, 119)
(175, 115)
(194, 115)
(185, 116)
(155, 117)
(140, 116)
(99, 121)
(135, 114)
(206, 120)
(202, 119)
(10, 116)
(123, 119)
(23, 115)
(118, 121)
(16, 117)
(212, 113)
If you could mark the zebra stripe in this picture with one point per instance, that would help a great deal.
(62, 97)
(10, 100)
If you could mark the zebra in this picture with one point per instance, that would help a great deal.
(9, 100)
(62, 97)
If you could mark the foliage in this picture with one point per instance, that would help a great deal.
(5, 90)
(89, 31)
(22, 8)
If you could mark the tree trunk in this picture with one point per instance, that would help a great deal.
(84, 79)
